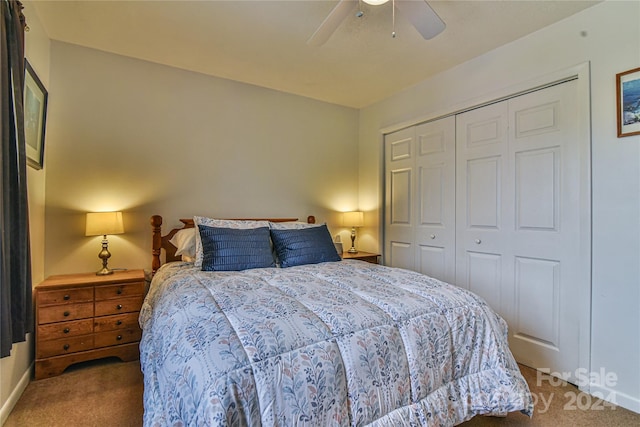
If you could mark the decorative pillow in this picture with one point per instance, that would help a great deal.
(291, 225)
(232, 249)
(185, 242)
(309, 245)
(221, 223)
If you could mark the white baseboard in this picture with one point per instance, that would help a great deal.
(620, 399)
(15, 395)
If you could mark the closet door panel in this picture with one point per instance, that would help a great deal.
(433, 259)
(399, 199)
(483, 176)
(482, 207)
(484, 276)
(537, 284)
(520, 200)
(537, 189)
(420, 198)
(435, 196)
(548, 159)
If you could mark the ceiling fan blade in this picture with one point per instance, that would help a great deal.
(421, 16)
(331, 22)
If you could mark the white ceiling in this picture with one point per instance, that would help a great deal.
(263, 42)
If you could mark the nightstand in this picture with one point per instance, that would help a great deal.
(362, 256)
(82, 317)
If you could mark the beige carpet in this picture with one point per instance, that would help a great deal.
(109, 393)
(560, 404)
(101, 393)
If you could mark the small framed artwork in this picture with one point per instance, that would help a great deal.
(35, 116)
(628, 97)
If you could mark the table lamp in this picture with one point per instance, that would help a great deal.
(353, 220)
(102, 224)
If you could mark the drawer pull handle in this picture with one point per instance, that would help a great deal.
(66, 330)
(119, 306)
(66, 314)
(66, 347)
(119, 337)
(119, 322)
(66, 297)
(119, 291)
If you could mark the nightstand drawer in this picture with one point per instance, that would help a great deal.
(59, 313)
(65, 329)
(64, 346)
(110, 323)
(119, 291)
(117, 306)
(106, 339)
(65, 296)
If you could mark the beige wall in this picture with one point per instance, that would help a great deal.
(130, 135)
(607, 37)
(15, 369)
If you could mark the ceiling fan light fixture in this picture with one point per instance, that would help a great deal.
(375, 2)
(418, 12)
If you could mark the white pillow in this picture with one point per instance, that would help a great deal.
(185, 242)
(291, 225)
(220, 223)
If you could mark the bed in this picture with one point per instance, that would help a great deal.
(312, 340)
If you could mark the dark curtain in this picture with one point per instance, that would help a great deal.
(15, 259)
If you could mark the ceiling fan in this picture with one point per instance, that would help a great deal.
(417, 12)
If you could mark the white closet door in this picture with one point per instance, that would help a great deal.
(399, 239)
(420, 198)
(435, 199)
(520, 191)
(483, 208)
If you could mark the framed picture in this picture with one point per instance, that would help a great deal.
(35, 115)
(628, 97)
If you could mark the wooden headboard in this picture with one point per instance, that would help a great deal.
(160, 242)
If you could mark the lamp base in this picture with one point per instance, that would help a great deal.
(104, 255)
(103, 272)
(353, 249)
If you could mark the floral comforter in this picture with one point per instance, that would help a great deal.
(332, 344)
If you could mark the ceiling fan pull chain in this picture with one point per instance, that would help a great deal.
(393, 17)
(359, 13)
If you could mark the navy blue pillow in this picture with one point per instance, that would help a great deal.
(232, 249)
(304, 246)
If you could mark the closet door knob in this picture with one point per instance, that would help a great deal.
(433, 236)
(478, 241)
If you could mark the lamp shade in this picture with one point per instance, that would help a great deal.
(103, 223)
(353, 219)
